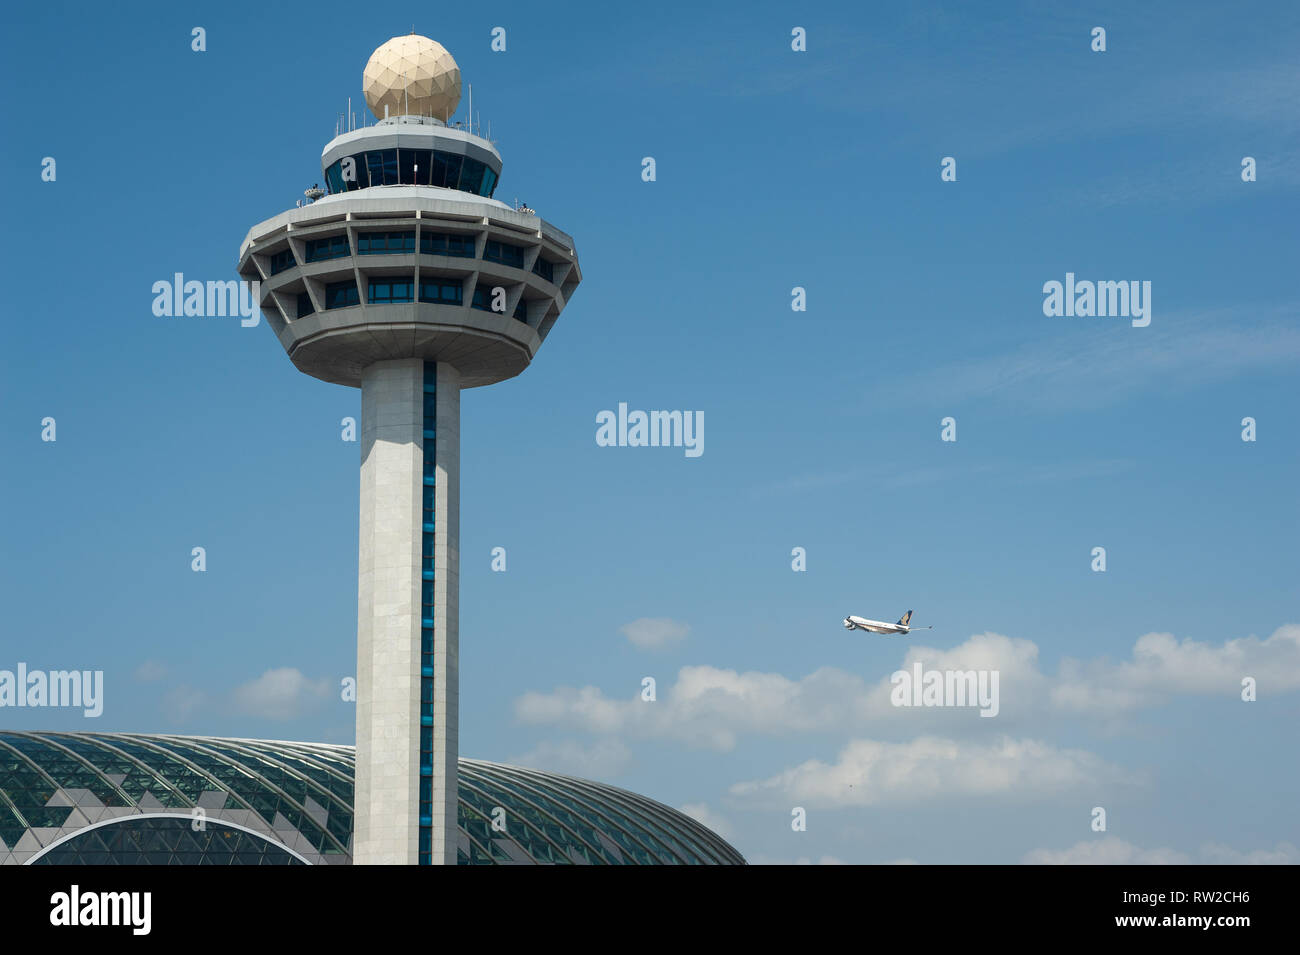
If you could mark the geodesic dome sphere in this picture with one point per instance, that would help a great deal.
(412, 75)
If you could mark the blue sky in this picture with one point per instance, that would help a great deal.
(775, 169)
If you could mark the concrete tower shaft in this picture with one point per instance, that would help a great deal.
(410, 282)
(407, 612)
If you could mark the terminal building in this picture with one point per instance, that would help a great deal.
(123, 798)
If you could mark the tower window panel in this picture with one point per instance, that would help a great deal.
(375, 167)
(330, 247)
(305, 306)
(381, 243)
(483, 299)
(438, 169)
(334, 177)
(360, 172)
(437, 243)
(504, 253)
(388, 158)
(442, 292)
(545, 269)
(489, 182)
(384, 291)
(414, 165)
(453, 170)
(341, 295)
(282, 260)
(521, 311)
(471, 175)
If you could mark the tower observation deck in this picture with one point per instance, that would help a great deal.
(409, 281)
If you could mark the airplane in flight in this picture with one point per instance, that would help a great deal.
(879, 626)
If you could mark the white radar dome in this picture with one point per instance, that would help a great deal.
(412, 75)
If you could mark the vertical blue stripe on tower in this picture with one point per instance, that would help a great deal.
(427, 492)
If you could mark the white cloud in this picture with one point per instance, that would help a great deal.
(802, 860)
(707, 707)
(824, 860)
(1284, 853)
(1112, 850)
(654, 633)
(601, 760)
(1109, 850)
(280, 694)
(150, 671)
(872, 773)
(181, 702)
(1161, 666)
(706, 817)
(1072, 370)
(712, 708)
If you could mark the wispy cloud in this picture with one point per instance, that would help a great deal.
(893, 475)
(654, 633)
(872, 773)
(603, 759)
(280, 694)
(1111, 850)
(713, 708)
(1086, 368)
(150, 671)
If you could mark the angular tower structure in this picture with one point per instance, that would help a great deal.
(409, 281)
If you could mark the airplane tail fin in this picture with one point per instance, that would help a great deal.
(902, 621)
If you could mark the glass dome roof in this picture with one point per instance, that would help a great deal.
(99, 798)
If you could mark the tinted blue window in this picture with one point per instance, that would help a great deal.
(471, 176)
(436, 243)
(389, 167)
(305, 306)
(332, 247)
(453, 164)
(282, 260)
(504, 253)
(341, 295)
(375, 167)
(442, 292)
(387, 290)
(545, 269)
(414, 165)
(334, 177)
(378, 243)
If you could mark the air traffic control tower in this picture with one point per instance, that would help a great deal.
(406, 279)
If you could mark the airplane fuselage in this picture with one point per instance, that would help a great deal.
(875, 626)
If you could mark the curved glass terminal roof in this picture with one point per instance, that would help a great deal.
(129, 798)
